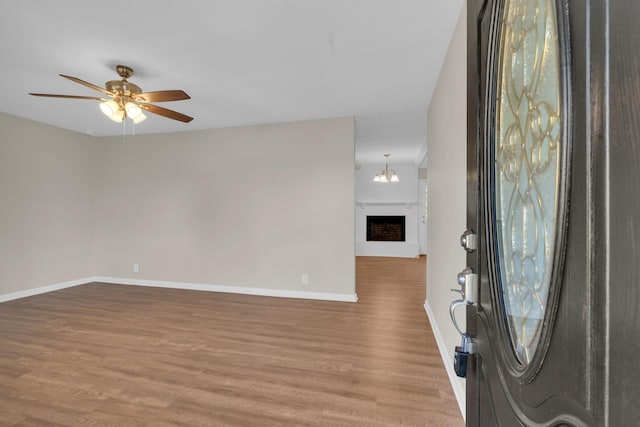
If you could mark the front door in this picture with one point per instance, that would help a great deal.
(554, 200)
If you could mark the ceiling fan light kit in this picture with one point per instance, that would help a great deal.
(125, 99)
(112, 110)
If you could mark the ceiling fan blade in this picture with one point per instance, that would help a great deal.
(50, 95)
(166, 113)
(87, 84)
(163, 96)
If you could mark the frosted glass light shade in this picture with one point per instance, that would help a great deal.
(109, 108)
(139, 118)
(117, 116)
(394, 177)
(133, 111)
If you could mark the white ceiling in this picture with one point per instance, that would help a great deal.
(242, 61)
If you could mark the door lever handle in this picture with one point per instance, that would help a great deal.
(468, 282)
(452, 312)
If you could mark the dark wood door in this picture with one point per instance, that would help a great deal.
(554, 198)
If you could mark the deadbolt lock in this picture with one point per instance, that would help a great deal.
(469, 241)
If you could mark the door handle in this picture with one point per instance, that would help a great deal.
(452, 312)
(468, 281)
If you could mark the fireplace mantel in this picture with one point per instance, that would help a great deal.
(408, 205)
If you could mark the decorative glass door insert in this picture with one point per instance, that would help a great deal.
(527, 167)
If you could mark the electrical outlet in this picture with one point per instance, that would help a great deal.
(305, 279)
(136, 268)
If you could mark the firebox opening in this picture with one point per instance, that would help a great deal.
(385, 228)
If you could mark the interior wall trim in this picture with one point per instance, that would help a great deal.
(280, 293)
(44, 289)
(390, 249)
(447, 359)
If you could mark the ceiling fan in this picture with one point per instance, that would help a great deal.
(125, 99)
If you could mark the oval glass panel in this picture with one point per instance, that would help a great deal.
(526, 166)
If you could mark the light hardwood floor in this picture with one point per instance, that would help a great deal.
(110, 355)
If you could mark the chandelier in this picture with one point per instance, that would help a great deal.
(384, 176)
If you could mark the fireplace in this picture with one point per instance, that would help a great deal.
(386, 228)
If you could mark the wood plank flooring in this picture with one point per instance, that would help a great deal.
(110, 355)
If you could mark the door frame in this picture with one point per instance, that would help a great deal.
(422, 216)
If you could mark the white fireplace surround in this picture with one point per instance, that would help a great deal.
(408, 249)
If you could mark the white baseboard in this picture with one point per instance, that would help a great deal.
(447, 359)
(281, 293)
(43, 289)
(390, 249)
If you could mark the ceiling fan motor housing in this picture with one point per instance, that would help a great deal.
(123, 87)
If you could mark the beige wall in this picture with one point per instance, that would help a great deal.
(248, 207)
(46, 205)
(446, 178)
